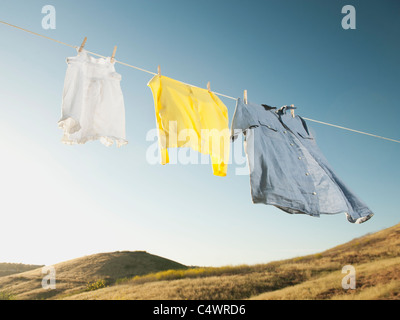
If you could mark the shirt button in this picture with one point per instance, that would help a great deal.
(307, 174)
(299, 158)
(314, 193)
(284, 131)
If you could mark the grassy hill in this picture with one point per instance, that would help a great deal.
(12, 268)
(86, 273)
(376, 258)
(139, 275)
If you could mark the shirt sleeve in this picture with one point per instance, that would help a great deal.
(242, 119)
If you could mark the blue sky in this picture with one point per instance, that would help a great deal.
(61, 202)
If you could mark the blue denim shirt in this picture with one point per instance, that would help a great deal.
(287, 169)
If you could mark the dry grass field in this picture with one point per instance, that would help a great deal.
(86, 273)
(139, 275)
(12, 268)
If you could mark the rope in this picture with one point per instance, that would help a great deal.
(37, 34)
(344, 128)
(153, 73)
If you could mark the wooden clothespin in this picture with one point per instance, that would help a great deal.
(245, 96)
(82, 45)
(113, 54)
(292, 110)
(159, 70)
(208, 86)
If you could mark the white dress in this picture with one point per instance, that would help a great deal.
(93, 104)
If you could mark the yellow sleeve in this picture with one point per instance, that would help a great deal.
(220, 168)
(155, 86)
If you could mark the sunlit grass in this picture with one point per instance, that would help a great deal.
(126, 276)
(375, 257)
(7, 296)
(95, 285)
(198, 272)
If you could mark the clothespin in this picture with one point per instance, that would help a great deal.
(245, 96)
(292, 110)
(82, 45)
(113, 54)
(208, 86)
(159, 70)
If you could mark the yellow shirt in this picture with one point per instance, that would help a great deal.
(191, 117)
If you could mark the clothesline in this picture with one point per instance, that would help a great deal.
(357, 131)
(153, 73)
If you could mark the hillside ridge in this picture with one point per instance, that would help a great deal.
(7, 268)
(374, 256)
(74, 275)
(141, 275)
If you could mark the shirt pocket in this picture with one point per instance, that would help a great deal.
(269, 126)
(305, 135)
(115, 76)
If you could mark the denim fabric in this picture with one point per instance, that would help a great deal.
(287, 169)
